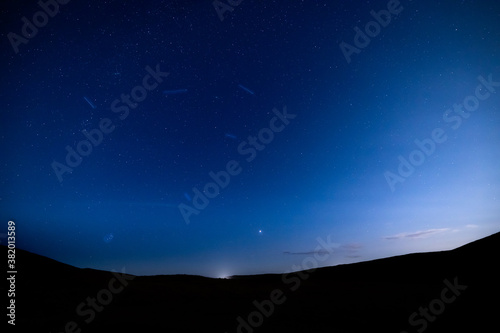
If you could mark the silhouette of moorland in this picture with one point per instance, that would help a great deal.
(447, 291)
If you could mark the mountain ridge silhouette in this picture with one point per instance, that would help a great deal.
(378, 295)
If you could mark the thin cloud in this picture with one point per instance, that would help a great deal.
(418, 234)
(307, 253)
(352, 246)
(472, 226)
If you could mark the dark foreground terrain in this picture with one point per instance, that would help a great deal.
(449, 291)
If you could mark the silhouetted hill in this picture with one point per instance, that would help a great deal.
(378, 295)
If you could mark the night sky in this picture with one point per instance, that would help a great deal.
(174, 137)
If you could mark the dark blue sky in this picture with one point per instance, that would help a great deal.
(387, 149)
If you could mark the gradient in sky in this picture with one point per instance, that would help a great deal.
(163, 97)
